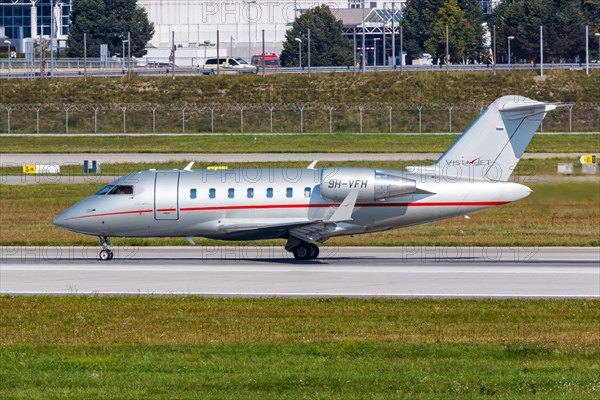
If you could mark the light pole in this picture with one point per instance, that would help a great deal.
(375, 40)
(362, 63)
(509, 39)
(123, 54)
(299, 52)
(9, 43)
(128, 55)
(249, 33)
(597, 34)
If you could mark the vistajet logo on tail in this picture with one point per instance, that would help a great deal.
(475, 161)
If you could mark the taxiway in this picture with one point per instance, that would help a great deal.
(10, 159)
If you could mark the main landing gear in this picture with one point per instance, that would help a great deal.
(306, 251)
(106, 253)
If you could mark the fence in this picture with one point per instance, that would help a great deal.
(269, 118)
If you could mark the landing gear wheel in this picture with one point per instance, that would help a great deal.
(314, 251)
(302, 252)
(105, 255)
(306, 251)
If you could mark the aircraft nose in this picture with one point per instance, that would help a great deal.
(73, 218)
(62, 220)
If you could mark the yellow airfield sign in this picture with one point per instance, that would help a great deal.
(587, 159)
(29, 169)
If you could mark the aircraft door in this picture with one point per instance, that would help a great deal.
(166, 196)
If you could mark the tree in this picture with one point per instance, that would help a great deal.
(418, 19)
(422, 27)
(108, 22)
(564, 26)
(461, 35)
(328, 46)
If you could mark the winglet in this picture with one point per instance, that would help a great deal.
(345, 209)
(189, 166)
(312, 164)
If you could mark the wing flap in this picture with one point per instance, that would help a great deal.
(232, 225)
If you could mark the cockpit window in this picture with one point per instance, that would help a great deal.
(122, 189)
(105, 190)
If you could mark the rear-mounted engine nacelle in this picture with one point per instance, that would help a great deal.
(372, 185)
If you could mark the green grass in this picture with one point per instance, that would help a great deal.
(186, 347)
(555, 214)
(433, 92)
(326, 143)
(410, 88)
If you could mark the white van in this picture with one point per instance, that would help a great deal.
(227, 65)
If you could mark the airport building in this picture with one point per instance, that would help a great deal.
(240, 23)
(194, 23)
(24, 20)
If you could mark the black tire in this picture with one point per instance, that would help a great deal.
(302, 252)
(314, 251)
(111, 255)
(105, 255)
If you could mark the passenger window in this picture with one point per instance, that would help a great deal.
(269, 193)
(289, 192)
(231, 193)
(250, 193)
(212, 193)
(122, 189)
(193, 193)
(307, 192)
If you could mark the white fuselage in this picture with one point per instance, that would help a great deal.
(248, 204)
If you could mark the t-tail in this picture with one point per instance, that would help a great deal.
(491, 147)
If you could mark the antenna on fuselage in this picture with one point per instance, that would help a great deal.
(189, 166)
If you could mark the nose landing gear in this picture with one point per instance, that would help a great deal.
(106, 253)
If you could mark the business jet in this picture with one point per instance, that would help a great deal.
(309, 205)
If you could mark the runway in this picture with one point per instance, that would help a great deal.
(469, 272)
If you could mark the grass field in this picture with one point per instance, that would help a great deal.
(555, 214)
(415, 88)
(156, 104)
(186, 347)
(325, 143)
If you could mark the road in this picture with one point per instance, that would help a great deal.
(270, 271)
(20, 71)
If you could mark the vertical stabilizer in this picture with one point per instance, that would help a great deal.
(491, 147)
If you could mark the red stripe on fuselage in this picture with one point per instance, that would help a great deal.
(112, 213)
(288, 206)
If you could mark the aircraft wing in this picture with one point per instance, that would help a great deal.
(300, 228)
